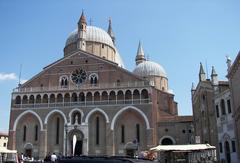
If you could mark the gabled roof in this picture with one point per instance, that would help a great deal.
(85, 53)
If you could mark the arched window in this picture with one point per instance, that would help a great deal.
(104, 96)
(81, 97)
(38, 99)
(57, 130)
(112, 97)
(36, 132)
(144, 96)
(25, 99)
(52, 98)
(74, 97)
(59, 98)
(229, 106)
(63, 81)
(45, 98)
(217, 111)
(31, 99)
(223, 109)
(67, 97)
(18, 100)
(89, 97)
(128, 97)
(24, 132)
(120, 97)
(97, 130)
(93, 78)
(122, 134)
(96, 96)
(138, 132)
(136, 96)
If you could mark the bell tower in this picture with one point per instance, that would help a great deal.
(82, 32)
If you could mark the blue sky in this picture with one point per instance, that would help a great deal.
(176, 34)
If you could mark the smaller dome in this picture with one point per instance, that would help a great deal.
(148, 68)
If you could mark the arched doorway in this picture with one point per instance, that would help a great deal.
(227, 152)
(28, 150)
(167, 141)
(131, 148)
(76, 147)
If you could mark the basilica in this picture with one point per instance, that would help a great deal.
(89, 95)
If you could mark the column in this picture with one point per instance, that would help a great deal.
(43, 144)
(12, 140)
(110, 145)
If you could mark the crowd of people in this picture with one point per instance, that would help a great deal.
(50, 157)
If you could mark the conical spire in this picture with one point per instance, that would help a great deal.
(82, 19)
(140, 54)
(202, 76)
(193, 89)
(201, 69)
(140, 51)
(213, 71)
(110, 31)
(82, 32)
(214, 77)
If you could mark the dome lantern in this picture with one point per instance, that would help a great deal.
(140, 54)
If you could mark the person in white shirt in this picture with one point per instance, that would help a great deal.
(53, 157)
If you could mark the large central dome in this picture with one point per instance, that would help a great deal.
(96, 40)
(94, 34)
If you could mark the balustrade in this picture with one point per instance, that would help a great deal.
(83, 103)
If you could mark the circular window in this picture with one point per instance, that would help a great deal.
(79, 76)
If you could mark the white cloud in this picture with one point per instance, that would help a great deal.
(23, 81)
(7, 76)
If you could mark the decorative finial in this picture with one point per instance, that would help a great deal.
(213, 71)
(229, 62)
(110, 31)
(201, 69)
(140, 57)
(110, 21)
(193, 86)
(140, 51)
(82, 18)
(202, 76)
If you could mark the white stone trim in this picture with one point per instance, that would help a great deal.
(24, 113)
(95, 110)
(55, 111)
(126, 108)
(169, 137)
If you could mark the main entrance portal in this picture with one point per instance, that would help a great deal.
(76, 149)
(75, 138)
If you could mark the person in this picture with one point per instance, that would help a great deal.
(53, 157)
